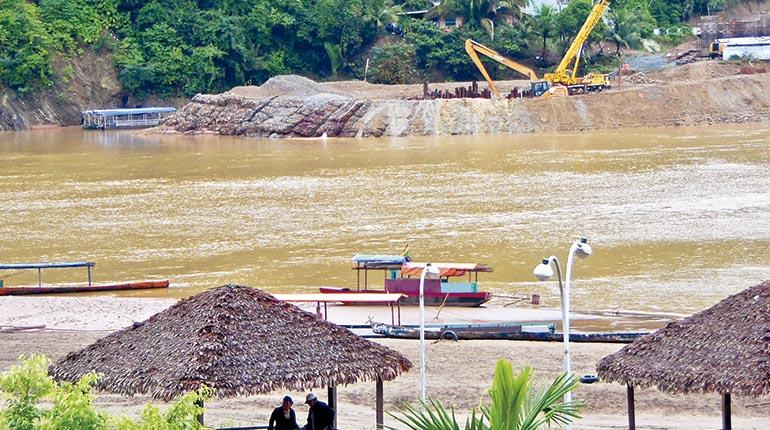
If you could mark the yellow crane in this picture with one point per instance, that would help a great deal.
(473, 48)
(564, 75)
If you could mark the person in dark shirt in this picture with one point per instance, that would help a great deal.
(320, 416)
(283, 417)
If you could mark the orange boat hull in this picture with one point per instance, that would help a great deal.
(143, 285)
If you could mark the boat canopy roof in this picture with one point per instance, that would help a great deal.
(377, 261)
(20, 266)
(445, 269)
(134, 111)
(384, 298)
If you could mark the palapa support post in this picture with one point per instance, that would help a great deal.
(331, 399)
(726, 413)
(380, 405)
(631, 413)
(199, 403)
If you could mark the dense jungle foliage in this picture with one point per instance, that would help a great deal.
(181, 47)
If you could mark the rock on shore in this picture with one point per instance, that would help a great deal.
(292, 106)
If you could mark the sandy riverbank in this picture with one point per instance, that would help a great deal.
(113, 313)
(457, 372)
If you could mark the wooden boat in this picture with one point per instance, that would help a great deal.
(403, 276)
(40, 289)
(509, 331)
(142, 285)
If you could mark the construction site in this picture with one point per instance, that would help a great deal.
(686, 87)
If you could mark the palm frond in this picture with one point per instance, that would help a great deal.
(432, 415)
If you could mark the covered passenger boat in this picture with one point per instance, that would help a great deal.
(403, 276)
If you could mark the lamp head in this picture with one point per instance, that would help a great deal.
(543, 271)
(431, 271)
(583, 249)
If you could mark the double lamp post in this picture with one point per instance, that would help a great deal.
(543, 271)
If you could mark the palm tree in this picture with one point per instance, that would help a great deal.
(384, 12)
(545, 26)
(514, 405)
(479, 12)
(626, 27)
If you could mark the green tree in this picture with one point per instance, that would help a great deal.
(394, 64)
(25, 386)
(348, 24)
(29, 390)
(72, 407)
(514, 404)
(25, 47)
(544, 25)
(384, 12)
(629, 24)
(182, 415)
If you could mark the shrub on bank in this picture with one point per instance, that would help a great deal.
(34, 401)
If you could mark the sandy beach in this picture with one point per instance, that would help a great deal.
(458, 373)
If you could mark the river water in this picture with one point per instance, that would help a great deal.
(678, 218)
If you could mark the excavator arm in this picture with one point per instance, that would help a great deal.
(474, 48)
(562, 74)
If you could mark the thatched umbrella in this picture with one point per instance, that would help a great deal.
(237, 340)
(724, 349)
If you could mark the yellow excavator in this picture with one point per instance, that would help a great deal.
(564, 75)
(473, 48)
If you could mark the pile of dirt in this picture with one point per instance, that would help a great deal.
(298, 86)
(639, 78)
(696, 72)
(282, 85)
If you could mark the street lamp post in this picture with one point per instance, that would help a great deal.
(543, 271)
(431, 272)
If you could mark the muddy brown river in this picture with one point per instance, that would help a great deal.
(678, 218)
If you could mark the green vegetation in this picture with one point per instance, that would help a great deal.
(27, 388)
(181, 47)
(514, 404)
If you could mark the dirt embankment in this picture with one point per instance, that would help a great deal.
(87, 81)
(292, 106)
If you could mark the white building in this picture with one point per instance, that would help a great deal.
(534, 5)
(752, 47)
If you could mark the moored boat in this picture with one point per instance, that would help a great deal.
(60, 289)
(140, 285)
(403, 276)
(508, 331)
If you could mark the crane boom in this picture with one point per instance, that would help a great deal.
(562, 73)
(472, 48)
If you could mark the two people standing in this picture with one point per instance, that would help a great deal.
(320, 416)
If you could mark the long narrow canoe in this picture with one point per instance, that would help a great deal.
(143, 285)
(527, 331)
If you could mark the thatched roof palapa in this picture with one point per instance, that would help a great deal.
(238, 340)
(724, 349)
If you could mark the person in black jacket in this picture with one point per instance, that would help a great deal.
(283, 417)
(320, 416)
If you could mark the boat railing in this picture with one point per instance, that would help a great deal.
(40, 266)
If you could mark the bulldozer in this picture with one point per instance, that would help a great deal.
(565, 74)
